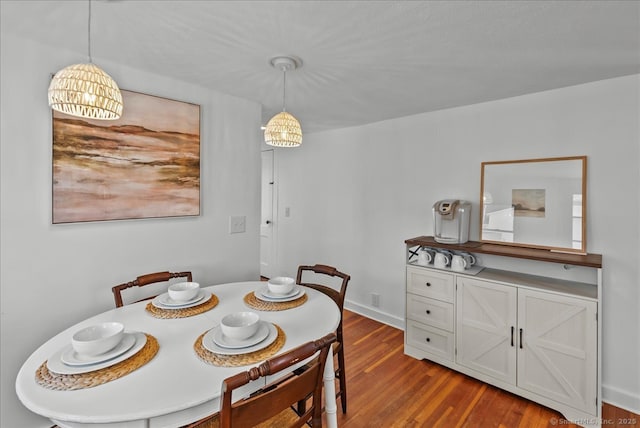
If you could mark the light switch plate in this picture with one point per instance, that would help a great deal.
(237, 224)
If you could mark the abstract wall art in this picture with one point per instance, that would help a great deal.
(144, 165)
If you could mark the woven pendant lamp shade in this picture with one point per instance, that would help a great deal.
(283, 130)
(85, 90)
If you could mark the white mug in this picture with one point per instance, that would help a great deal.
(446, 253)
(424, 257)
(458, 263)
(470, 258)
(441, 260)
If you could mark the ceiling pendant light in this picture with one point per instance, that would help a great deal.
(283, 130)
(85, 90)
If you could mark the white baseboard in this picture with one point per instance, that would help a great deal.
(375, 314)
(621, 398)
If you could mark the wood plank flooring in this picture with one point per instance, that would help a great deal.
(389, 389)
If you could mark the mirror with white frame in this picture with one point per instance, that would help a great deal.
(536, 203)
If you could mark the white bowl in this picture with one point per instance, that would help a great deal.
(97, 339)
(183, 291)
(280, 285)
(240, 325)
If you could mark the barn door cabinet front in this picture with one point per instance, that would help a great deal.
(541, 342)
(557, 348)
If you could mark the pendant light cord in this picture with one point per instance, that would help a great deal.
(89, 33)
(284, 88)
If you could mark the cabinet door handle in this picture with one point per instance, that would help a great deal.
(428, 284)
(521, 339)
(428, 339)
(512, 331)
(428, 311)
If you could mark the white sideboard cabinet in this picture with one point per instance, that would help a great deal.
(535, 336)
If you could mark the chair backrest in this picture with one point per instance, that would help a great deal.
(147, 279)
(338, 293)
(278, 396)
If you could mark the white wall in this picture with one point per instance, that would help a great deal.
(53, 276)
(356, 194)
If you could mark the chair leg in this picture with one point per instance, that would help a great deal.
(341, 392)
(343, 380)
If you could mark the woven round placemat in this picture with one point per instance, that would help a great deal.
(242, 359)
(252, 301)
(70, 382)
(183, 312)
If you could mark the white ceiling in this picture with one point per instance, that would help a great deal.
(363, 61)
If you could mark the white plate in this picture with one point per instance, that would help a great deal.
(163, 301)
(227, 342)
(265, 292)
(260, 295)
(209, 344)
(56, 365)
(71, 358)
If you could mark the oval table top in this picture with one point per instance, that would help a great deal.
(175, 387)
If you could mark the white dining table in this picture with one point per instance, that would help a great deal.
(176, 387)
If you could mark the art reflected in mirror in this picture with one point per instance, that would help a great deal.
(528, 202)
(538, 203)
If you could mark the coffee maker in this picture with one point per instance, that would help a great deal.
(451, 221)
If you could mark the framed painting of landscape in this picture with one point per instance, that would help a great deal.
(144, 165)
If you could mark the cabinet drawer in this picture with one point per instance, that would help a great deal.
(431, 284)
(430, 339)
(429, 311)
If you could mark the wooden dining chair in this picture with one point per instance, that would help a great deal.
(274, 405)
(337, 292)
(147, 279)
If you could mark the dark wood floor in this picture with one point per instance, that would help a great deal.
(389, 389)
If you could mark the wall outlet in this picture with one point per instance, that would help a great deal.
(375, 300)
(237, 224)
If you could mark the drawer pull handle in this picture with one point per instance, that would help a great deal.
(512, 331)
(428, 339)
(428, 284)
(521, 347)
(428, 311)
